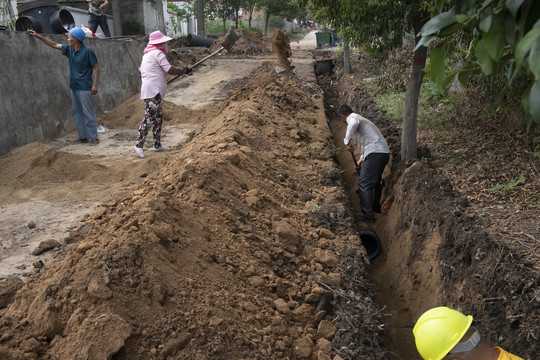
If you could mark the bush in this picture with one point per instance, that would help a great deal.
(132, 27)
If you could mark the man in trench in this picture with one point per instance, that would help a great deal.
(442, 333)
(375, 154)
(83, 81)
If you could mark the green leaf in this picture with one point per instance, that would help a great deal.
(534, 59)
(534, 103)
(525, 45)
(510, 29)
(437, 60)
(439, 22)
(513, 6)
(495, 39)
(425, 41)
(485, 23)
(451, 29)
(464, 74)
(511, 74)
(485, 61)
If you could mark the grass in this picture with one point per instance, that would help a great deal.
(433, 109)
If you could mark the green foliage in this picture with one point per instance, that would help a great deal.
(504, 36)
(132, 27)
(508, 186)
(213, 28)
(275, 22)
(245, 26)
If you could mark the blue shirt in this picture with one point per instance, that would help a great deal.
(81, 67)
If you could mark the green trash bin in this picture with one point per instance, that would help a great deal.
(323, 39)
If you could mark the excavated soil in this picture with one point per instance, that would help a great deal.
(240, 246)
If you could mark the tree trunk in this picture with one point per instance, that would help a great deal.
(224, 23)
(200, 18)
(236, 15)
(347, 60)
(160, 17)
(266, 24)
(410, 113)
(408, 136)
(117, 18)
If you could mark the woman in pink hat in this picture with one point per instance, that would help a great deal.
(154, 69)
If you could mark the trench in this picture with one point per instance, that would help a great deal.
(402, 291)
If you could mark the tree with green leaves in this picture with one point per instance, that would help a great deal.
(379, 26)
(503, 35)
(284, 8)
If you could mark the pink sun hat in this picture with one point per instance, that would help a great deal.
(157, 38)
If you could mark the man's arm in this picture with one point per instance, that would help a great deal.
(95, 79)
(104, 5)
(45, 40)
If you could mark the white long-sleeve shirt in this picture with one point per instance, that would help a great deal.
(365, 135)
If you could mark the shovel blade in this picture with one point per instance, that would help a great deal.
(229, 40)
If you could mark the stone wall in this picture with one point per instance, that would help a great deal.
(35, 100)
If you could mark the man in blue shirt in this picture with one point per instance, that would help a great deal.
(83, 81)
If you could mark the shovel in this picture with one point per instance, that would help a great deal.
(355, 163)
(227, 44)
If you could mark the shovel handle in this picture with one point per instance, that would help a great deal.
(133, 61)
(355, 163)
(198, 62)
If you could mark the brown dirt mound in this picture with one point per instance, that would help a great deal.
(130, 113)
(37, 165)
(244, 45)
(236, 249)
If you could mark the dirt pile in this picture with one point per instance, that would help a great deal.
(241, 246)
(130, 113)
(248, 43)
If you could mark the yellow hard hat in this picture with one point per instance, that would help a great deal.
(438, 330)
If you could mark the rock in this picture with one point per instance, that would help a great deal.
(326, 329)
(99, 291)
(45, 246)
(303, 347)
(321, 355)
(256, 281)
(38, 264)
(172, 346)
(326, 257)
(287, 233)
(31, 225)
(303, 314)
(324, 345)
(281, 306)
(326, 234)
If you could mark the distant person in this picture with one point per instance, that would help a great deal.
(445, 334)
(83, 81)
(154, 69)
(96, 11)
(375, 154)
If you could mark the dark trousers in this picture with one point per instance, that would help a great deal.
(95, 21)
(369, 183)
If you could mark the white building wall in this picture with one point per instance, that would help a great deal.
(150, 20)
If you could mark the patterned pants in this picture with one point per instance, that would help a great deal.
(153, 115)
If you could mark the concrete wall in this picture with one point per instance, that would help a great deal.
(35, 100)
